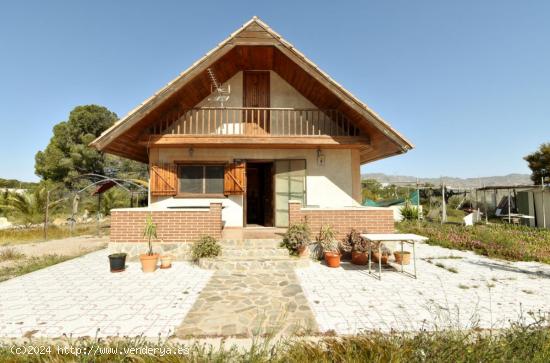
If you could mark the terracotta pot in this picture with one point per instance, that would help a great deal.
(166, 261)
(402, 258)
(303, 251)
(149, 262)
(376, 257)
(359, 258)
(332, 259)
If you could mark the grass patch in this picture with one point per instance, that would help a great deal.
(30, 265)
(10, 254)
(509, 242)
(463, 287)
(517, 344)
(34, 234)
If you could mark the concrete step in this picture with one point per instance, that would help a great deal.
(251, 243)
(242, 264)
(253, 252)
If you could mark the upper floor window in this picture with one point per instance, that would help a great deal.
(201, 179)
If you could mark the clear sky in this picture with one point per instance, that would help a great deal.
(467, 81)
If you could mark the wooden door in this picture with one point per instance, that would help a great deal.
(256, 94)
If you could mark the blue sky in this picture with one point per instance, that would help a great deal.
(467, 81)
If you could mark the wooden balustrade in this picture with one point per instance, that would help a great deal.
(252, 121)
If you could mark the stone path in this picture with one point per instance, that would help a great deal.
(81, 297)
(248, 304)
(464, 291)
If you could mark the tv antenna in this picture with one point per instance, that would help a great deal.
(221, 94)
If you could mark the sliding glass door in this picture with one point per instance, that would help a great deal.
(290, 184)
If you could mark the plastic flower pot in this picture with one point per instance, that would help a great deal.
(359, 258)
(149, 262)
(402, 258)
(332, 259)
(117, 262)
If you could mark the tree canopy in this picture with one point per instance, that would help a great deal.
(539, 163)
(68, 154)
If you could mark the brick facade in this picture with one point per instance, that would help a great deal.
(172, 225)
(371, 220)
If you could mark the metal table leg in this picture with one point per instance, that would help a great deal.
(414, 257)
(379, 261)
(401, 257)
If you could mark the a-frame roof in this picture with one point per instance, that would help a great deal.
(254, 46)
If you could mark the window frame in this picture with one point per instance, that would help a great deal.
(204, 164)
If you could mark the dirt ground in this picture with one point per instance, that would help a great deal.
(65, 247)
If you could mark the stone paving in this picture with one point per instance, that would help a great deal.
(248, 304)
(484, 293)
(80, 296)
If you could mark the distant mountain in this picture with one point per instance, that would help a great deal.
(510, 179)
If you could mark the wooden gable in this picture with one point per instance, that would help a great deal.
(253, 47)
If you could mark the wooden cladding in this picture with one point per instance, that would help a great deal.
(164, 179)
(257, 121)
(235, 179)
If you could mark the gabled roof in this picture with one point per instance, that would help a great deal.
(234, 54)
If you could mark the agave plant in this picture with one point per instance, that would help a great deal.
(150, 231)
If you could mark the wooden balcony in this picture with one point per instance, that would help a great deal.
(241, 126)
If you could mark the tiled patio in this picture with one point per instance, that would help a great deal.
(80, 296)
(483, 293)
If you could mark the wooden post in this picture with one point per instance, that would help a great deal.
(485, 204)
(98, 213)
(509, 207)
(417, 201)
(543, 206)
(443, 204)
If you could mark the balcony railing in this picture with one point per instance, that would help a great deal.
(254, 121)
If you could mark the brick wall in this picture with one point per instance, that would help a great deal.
(378, 220)
(172, 225)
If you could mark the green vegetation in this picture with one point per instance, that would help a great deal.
(28, 235)
(297, 236)
(15, 184)
(205, 247)
(10, 254)
(32, 264)
(68, 155)
(539, 163)
(515, 243)
(517, 344)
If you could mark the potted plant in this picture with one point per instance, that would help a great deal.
(149, 260)
(117, 262)
(166, 261)
(357, 246)
(402, 258)
(297, 238)
(381, 256)
(327, 240)
(360, 252)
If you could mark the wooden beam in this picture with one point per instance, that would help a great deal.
(258, 141)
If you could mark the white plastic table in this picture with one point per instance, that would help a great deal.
(402, 238)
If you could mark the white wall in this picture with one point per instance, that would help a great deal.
(330, 185)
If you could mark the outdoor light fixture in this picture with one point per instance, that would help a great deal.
(191, 152)
(320, 158)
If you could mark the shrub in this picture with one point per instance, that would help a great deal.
(361, 246)
(205, 246)
(297, 235)
(409, 212)
(327, 239)
(351, 241)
